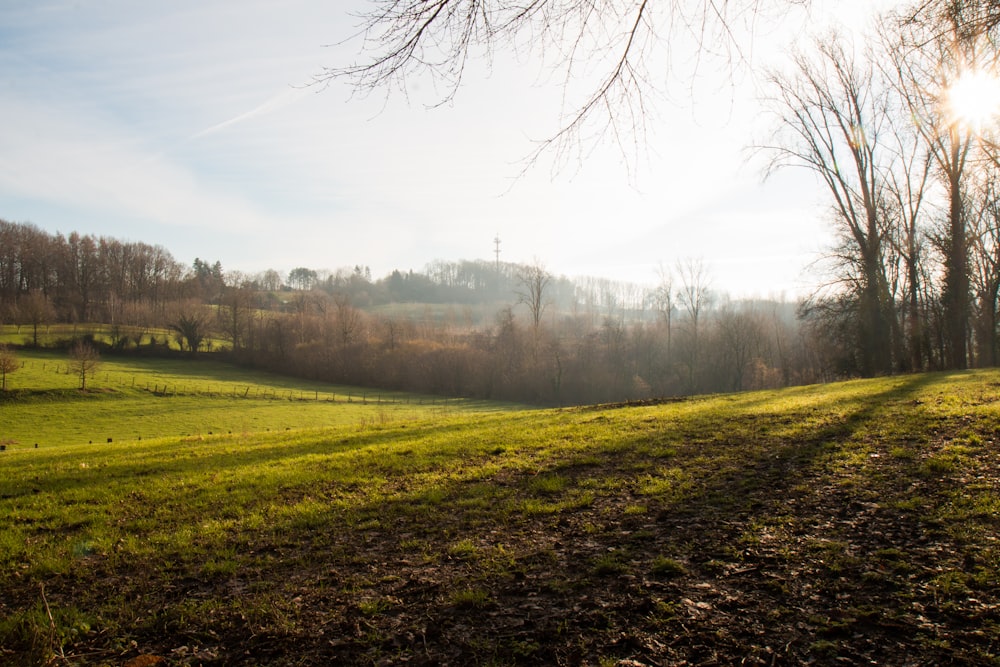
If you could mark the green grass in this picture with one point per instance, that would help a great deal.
(53, 334)
(138, 398)
(742, 522)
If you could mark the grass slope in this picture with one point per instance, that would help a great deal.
(850, 523)
(133, 398)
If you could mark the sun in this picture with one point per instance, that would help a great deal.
(972, 101)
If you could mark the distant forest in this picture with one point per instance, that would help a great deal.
(482, 329)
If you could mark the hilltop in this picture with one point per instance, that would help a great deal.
(845, 523)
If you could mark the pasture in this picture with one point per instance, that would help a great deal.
(50, 335)
(849, 523)
(134, 398)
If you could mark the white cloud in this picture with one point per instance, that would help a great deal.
(75, 161)
(282, 99)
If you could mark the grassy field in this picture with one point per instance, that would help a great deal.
(50, 335)
(134, 398)
(854, 523)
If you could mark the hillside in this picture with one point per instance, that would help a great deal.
(131, 398)
(849, 523)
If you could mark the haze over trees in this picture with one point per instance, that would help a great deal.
(473, 328)
(892, 121)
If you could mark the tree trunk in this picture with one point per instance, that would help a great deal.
(955, 296)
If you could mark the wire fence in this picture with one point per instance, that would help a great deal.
(223, 389)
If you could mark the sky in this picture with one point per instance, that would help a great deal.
(192, 125)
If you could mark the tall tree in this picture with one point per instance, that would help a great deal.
(301, 278)
(348, 319)
(908, 180)
(80, 275)
(694, 296)
(984, 264)
(662, 297)
(533, 280)
(739, 334)
(208, 278)
(832, 113)
(937, 47)
(235, 310)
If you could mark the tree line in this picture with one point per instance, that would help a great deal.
(562, 357)
(678, 338)
(470, 328)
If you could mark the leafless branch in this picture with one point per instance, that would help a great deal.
(617, 52)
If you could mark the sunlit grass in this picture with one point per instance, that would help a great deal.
(133, 399)
(479, 492)
(52, 334)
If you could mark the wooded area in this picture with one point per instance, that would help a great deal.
(470, 328)
(895, 128)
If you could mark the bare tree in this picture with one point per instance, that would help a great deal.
(739, 334)
(622, 48)
(694, 296)
(8, 364)
(695, 293)
(662, 297)
(782, 336)
(908, 181)
(934, 46)
(984, 264)
(269, 280)
(83, 361)
(963, 18)
(348, 319)
(235, 310)
(532, 281)
(832, 114)
(34, 309)
(138, 317)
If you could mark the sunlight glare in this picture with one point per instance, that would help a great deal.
(973, 100)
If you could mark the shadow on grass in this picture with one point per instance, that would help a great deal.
(388, 566)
